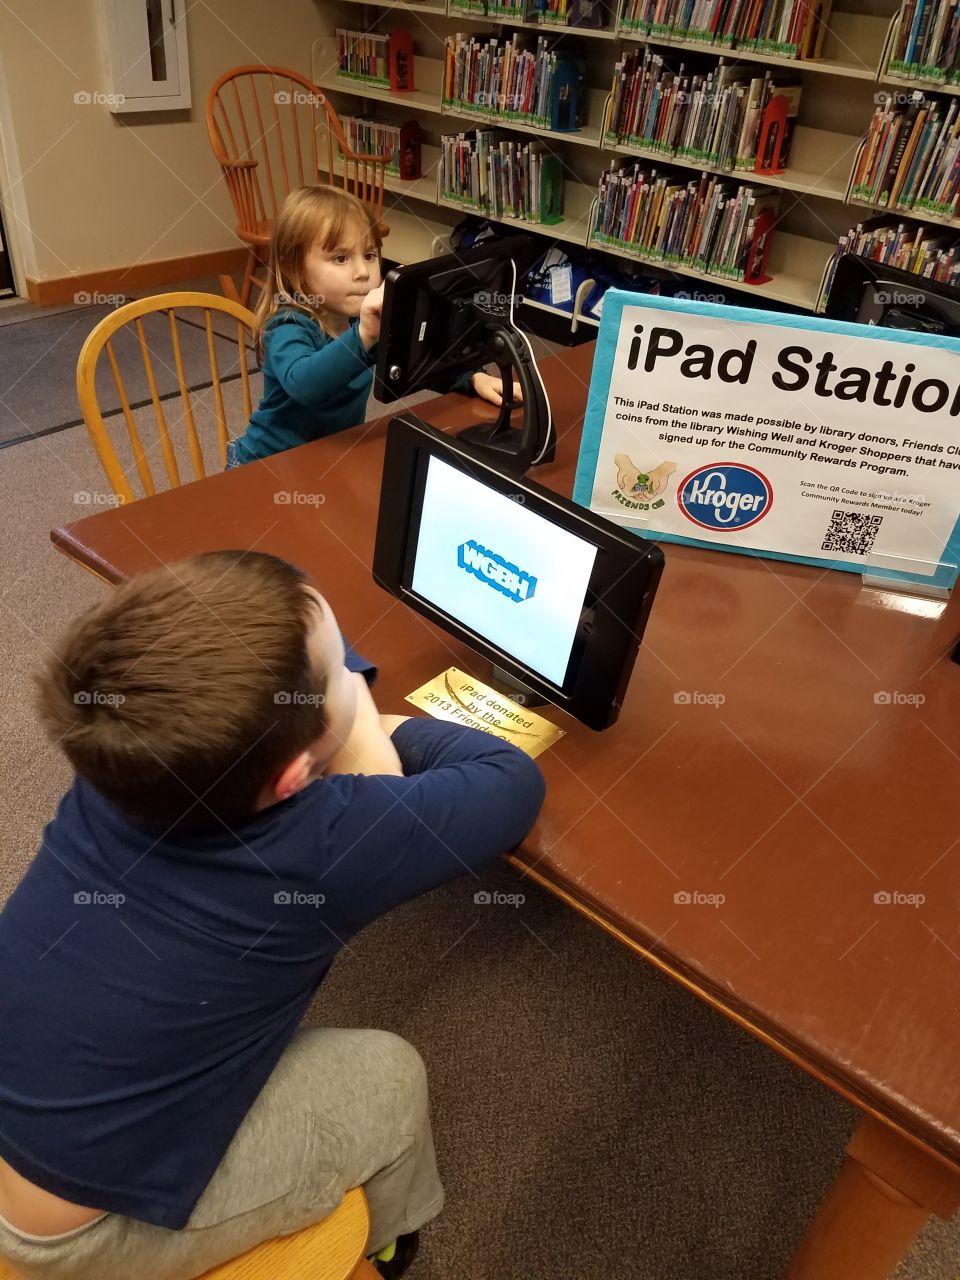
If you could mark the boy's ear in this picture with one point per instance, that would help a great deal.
(294, 777)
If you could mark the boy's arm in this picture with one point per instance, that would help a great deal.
(316, 379)
(465, 799)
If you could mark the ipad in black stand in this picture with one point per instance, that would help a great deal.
(451, 315)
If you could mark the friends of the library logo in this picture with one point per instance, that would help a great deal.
(725, 496)
(496, 572)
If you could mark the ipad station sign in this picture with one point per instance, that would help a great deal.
(795, 437)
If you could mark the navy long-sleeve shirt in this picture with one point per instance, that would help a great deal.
(150, 986)
(313, 385)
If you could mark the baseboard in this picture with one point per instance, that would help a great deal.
(141, 275)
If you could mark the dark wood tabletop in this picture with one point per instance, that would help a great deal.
(825, 777)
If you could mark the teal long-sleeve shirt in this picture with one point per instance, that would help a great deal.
(313, 385)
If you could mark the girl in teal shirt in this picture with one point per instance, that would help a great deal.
(317, 329)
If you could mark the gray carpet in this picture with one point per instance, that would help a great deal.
(593, 1121)
(38, 360)
(13, 310)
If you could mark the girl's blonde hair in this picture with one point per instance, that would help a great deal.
(308, 214)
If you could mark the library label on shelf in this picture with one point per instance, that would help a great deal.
(768, 434)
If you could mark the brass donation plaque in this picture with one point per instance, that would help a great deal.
(455, 696)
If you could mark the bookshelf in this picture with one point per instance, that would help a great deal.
(852, 49)
(588, 136)
(930, 86)
(898, 77)
(591, 33)
(819, 162)
(572, 228)
(911, 215)
(427, 76)
(815, 203)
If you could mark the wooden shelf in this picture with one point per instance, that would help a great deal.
(427, 76)
(543, 28)
(854, 40)
(796, 265)
(399, 7)
(856, 49)
(886, 76)
(422, 188)
(413, 238)
(416, 100)
(917, 215)
(926, 86)
(572, 228)
(588, 136)
(893, 211)
(819, 164)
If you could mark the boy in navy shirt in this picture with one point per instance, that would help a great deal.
(240, 810)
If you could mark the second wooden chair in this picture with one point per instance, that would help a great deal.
(156, 361)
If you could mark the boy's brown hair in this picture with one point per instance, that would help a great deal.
(188, 688)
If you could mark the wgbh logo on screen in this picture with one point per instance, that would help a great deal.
(495, 571)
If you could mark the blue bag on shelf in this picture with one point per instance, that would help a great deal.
(555, 277)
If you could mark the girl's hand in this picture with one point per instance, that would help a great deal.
(490, 388)
(370, 310)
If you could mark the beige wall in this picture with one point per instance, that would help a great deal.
(83, 190)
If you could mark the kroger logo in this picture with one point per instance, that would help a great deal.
(728, 496)
(495, 571)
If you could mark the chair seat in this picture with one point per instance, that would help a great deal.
(327, 1250)
(332, 1249)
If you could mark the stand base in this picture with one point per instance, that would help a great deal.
(930, 579)
(501, 445)
(879, 581)
(514, 689)
(514, 451)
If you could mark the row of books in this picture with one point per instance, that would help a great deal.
(502, 177)
(712, 223)
(790, 28)
(373, 137)
(540, 86)
(363, 55)
(554, 13)
(910, 157)
(927, 43)
(925, 251)
(712, 116)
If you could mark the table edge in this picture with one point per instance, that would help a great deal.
(80, 555)
(922, 1134)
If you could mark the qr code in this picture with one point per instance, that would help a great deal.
(852, 533)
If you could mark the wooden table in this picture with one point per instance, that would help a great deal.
(820, 783)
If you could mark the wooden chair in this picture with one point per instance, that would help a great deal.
(233, 350)
(271, 130)
(328, 1250)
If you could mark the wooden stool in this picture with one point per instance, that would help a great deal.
(327, 1250)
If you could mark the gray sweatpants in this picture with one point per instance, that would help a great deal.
(342, 1109)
